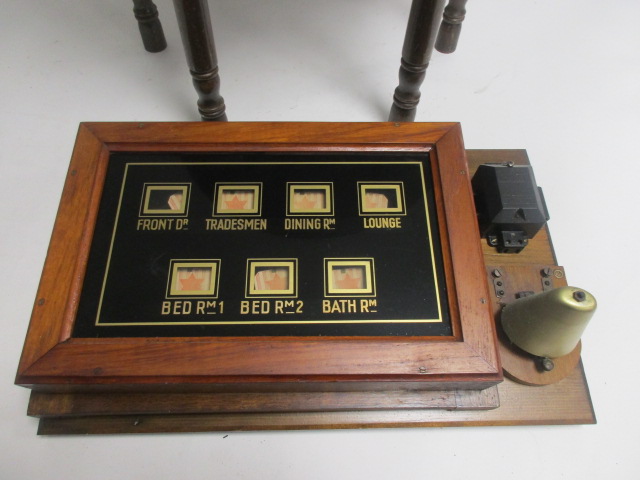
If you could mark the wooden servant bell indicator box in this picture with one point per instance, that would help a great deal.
(340, 262)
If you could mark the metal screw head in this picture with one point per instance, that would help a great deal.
(547, 364)
(496, 273)
(422, 370)
(579, 296)
(547, 272)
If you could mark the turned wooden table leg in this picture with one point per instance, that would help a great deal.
(451, 25)
(197, 38)
(146, 13)
(422, 27)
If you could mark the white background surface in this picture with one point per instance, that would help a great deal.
(559, 78)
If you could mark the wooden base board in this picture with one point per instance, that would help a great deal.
(562, 403)
(93, 404)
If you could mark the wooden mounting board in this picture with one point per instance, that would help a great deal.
(562, 403)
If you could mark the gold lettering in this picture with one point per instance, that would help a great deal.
(181, 308)
(254, 307)
(382, 222)
(263, 307)
(155, 223)
(166, 308)
(326, 306)
(181, 223)
(364, 305)
(302, 224)
(329, 223)
(177, 307)
(278, 307)
(337, 307)
(236, 223)
(207, 307)
(244, 307)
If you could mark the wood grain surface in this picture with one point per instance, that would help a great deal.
(53, 360)
(561, 403)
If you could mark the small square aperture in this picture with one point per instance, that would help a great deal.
(193, 278)
(381, 198)
(237, 199)
(165, 199)
(346, 277)
(272, 277)
(309, 198)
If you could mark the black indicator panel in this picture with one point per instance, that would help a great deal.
(265, 245)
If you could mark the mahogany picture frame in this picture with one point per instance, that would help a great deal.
(53, 360)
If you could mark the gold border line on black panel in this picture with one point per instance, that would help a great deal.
(289, 319)
(433, 260)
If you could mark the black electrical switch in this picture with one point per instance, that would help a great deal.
(509, 204)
